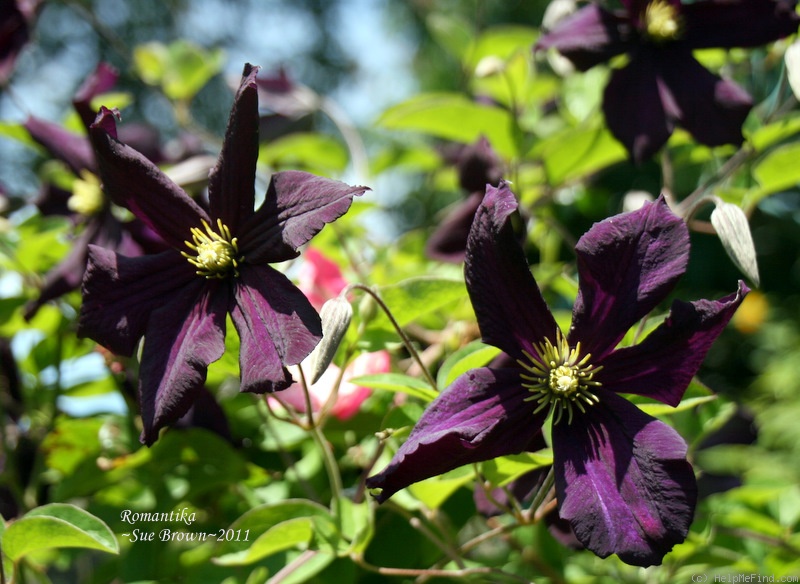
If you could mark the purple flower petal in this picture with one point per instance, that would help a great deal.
(100, 81)
(711, 109)
(120, 293)
(277, 326)
(623, 482)
(102, 230)
(481, 416)
(590, 36)
(739, 23)
(73, 150)
(662, 365)
(512, 314)
(448, 243)
(16, 20)
(183, 337)
(297, 207)
(634, 109)
(627, 264)
(132, 181)
(231, 188)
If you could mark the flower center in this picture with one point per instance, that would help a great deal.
(662, 21)
(216, 253)
(87, 197)
(559, 379)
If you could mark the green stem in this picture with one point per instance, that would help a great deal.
(401, 333)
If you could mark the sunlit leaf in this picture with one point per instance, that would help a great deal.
(403, 298)
(282, 536)
(777, 171)
(435, 491)
(454, 117)
(57, 525)
(576, 152)
(398, 383)
(306, 151)
(505, 469)
(474, 355)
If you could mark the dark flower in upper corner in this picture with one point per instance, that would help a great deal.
(621, 476)
(85, 204)
(218, 264)
(16, 19)
(663, 85)
(477, 165)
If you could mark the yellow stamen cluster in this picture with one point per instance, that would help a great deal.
(662, 21)
(559, 378)
(216, 253)
(87, 196)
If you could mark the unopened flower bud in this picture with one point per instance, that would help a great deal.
(489, 66)
(336, 315)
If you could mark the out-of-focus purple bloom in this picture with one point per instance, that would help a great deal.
(621, 476)
(478, 165)
(16, 20)
(218, 264)
(662, 85)
(85, 204)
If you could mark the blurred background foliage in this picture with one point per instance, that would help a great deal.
(395, 87)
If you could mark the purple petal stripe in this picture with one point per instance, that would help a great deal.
(623, 482)
(277, 326)
(627, 264)
(132, 181)
(73, 150)
(481, 416)
(183, 337)
(711, 109)
(590, 36)
(634, 108)
(296, 207)
(120, 293)
(662, 365)
(231, 188)
(512, 314)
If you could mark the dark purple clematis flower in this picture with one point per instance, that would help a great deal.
(85, 204)
(662, 85)
(16, 20)
(218, 264)
(478, 165)
(622, 479)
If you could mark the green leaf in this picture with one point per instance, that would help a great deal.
(579, 151)
(765, 136)
(433, 492)
(181, 68)
(404, 298)
(505, 469)
(309, 151)
(454, 117)
(57, 525)
(260, 520)
(777, 171)
(452, 32)
(660, 409)
(476, 354)
(283, 536)
(398, 383)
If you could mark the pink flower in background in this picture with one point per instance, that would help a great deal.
(319, 278)
(350, 396)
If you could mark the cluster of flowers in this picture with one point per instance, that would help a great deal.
(622, 479)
